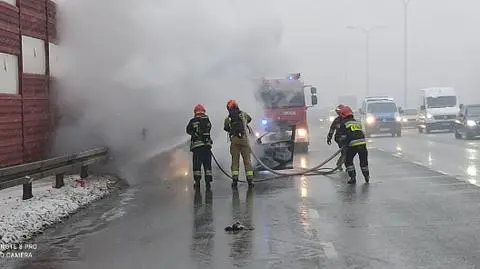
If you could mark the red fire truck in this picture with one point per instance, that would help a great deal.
(284, 104)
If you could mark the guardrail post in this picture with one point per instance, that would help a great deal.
(84, 172)
(59, 181)
(27, 191)
(83, 176)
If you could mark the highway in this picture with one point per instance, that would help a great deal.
(419, 211)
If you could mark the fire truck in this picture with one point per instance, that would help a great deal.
(284, 105)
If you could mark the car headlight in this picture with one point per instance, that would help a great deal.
(405, 120)
(471, 123)
(398, 118)
(429, 116)
(370, 120)
(302, 132)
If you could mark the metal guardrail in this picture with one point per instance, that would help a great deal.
(25, 174)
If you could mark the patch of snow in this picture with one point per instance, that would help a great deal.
(20, 220)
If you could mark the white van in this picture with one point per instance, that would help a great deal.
(438, 109)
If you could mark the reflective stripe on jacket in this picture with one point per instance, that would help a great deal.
(354, 134)
(199, 129)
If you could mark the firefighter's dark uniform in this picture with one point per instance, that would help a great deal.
(356, 144)
(201, 144)
(235, 125)
(337, 128)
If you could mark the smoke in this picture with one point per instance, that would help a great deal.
(133, 71)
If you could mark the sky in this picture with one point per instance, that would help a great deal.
(146, 64)
(442, 47)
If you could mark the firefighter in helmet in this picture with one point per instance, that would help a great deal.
(337, 129)
(201, 144)
(356, 144)
(236, 127)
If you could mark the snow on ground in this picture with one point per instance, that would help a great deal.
(20, 220)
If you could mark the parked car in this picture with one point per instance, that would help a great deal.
(409, 118)
(467, 124)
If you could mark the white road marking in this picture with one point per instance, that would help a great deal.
(403, 178)
(312, 213)
(329, 250)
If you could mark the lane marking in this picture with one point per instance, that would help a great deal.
(423, 165)
(329, 250)
(397, 178)
(313, 214)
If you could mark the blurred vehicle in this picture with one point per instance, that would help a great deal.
(276, 149)
(409, 118)
(439, 109)
(380, 115)
(323, 121)
(467, 124)
(331, 116)
(284, 104)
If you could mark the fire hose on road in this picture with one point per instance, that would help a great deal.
(314, 171)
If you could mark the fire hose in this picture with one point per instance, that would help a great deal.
(316, 170)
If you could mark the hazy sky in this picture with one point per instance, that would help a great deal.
(443, 46)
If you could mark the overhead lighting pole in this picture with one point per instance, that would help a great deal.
(367, 32)
(405, 48)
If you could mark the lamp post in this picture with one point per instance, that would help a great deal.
(405, 93)
(367, 32)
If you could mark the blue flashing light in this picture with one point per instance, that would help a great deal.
(294, 76)
(264, 122)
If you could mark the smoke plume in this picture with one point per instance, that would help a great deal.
(134, 70)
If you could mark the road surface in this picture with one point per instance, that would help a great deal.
(409, 216)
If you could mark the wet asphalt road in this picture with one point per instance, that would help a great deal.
(439, 151)
(409, 216)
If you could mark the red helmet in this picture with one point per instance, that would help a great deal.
(232, 104)
(346, 111)
(339, 108)
(199, 109)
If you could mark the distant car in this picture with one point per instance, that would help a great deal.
(380, 115)
(409, 118)
(467, 124)
(332, 115)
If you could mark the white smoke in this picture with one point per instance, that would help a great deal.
(144, 64)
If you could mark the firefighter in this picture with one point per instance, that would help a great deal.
(236, 127)
(336, 128)
(356, 144)
(201, 144)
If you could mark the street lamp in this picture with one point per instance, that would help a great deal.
(405, 5)
(367, 32)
